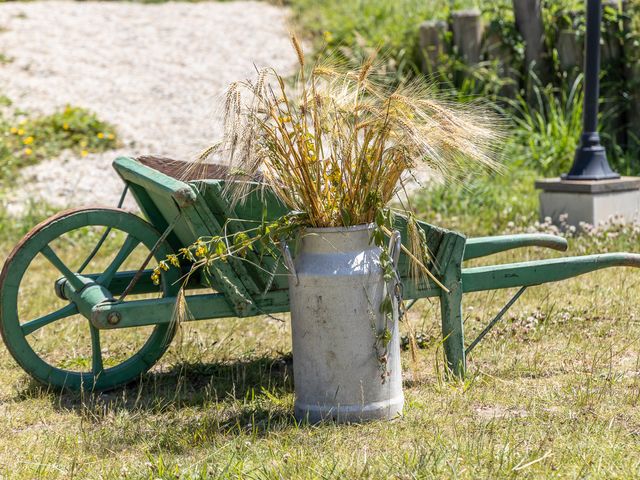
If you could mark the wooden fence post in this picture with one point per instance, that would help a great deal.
(467, 34)
(496, 51)
(528, 15)
(570, 54)
(432, 43)
(612, 64)
(612, 48)
(632, 75)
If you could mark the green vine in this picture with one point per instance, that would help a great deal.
(263, 240)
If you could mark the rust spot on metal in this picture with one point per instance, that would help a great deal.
(113, 318)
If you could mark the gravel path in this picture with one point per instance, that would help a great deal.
(155, 71)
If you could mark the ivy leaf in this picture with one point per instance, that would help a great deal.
(380, 218)
(221, 249)
(386, 306)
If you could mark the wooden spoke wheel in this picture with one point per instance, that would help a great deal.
(48, 335)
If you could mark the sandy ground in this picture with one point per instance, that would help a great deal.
(155, 71)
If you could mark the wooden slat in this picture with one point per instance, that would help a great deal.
(184, 171)
(250, 212)
(151, 180)
(138, 313)
(221, 275)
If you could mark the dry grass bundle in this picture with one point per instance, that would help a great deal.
(337, 143)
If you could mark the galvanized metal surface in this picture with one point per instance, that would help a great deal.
(335, 314)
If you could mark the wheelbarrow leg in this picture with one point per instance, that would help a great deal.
(451, 308)
(453, 329)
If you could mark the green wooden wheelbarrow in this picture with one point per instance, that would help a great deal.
(178, 213)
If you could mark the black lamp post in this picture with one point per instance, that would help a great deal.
(590, 161)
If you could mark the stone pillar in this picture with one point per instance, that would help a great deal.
(590, 201)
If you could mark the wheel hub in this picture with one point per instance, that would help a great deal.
(89, 296)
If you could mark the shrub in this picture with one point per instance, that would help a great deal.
(546, 131)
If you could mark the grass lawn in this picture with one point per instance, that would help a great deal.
(553, 391)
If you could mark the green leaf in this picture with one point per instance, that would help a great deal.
(346, 217)
(220, 249)
(386, 306)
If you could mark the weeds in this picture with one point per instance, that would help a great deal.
(547, 123)
(481, 204)
(25, 140)
(546, 134)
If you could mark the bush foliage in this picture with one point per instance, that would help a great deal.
(351, 29)
(545, 117)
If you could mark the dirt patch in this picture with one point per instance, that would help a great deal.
(155, 71)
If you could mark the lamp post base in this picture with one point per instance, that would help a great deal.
(590, 201)
(590, 161)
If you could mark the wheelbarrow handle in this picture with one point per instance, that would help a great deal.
(483, 246)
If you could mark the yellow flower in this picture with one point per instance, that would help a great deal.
(173, 260)
(100, 135)
(65, 125)
(111, 136)
(201, 251)
(327, 36)
(13, 130)
(155, 276)
(20, 131)
(28, 140)
(28, 151)
(84, 153)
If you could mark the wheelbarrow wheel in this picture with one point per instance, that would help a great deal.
(47, 335)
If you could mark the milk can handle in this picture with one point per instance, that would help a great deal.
(395, 246)
(395, 285)
(288, 260)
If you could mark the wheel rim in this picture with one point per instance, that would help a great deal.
(16, 334)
